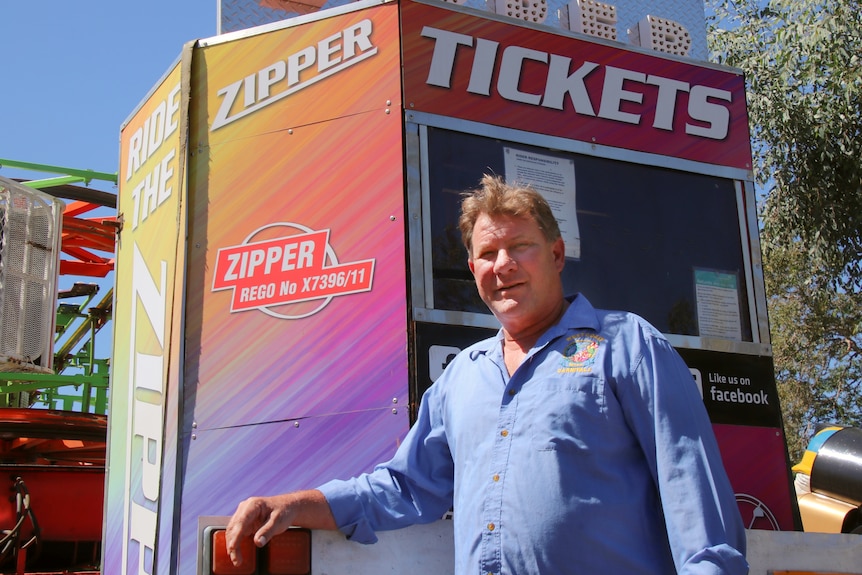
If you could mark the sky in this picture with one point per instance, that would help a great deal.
(73, 72)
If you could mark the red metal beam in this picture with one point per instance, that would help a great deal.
(80, 235)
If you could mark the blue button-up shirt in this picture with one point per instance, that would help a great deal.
(596, 456)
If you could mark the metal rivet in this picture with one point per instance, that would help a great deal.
(296, 424)
(392, 218)
(394, 400)
(394, 411)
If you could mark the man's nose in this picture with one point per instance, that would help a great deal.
(504, 262)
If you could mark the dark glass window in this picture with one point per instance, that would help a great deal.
(644, 231)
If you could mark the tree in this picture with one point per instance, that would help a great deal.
(803, 70)
(816, 344)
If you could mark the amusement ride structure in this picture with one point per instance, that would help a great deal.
(57, 240)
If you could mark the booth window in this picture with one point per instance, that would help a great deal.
(662, 243)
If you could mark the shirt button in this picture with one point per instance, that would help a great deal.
(504, 433)
(491, 526)
(496, 477)
(511, 392)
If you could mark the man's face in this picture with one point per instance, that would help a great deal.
(517, 270)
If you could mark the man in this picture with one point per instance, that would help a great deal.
(574, 441)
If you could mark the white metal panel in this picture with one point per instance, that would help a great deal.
(425, 549)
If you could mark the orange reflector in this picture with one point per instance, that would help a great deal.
(289, 553)
(221, 563)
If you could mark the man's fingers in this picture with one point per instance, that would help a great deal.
(236, 557)
(240, 526)
(233, 535)
(260, 539)
(272, 527)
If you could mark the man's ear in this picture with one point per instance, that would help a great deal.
(471, 266)
(559, 251)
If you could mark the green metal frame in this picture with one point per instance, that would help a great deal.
(86, 391)
(72, 175)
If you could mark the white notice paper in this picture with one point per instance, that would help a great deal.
(554, 178)
(717, 304)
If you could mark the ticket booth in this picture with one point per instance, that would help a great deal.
(290, 277)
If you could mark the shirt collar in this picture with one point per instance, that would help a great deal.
(580, 315)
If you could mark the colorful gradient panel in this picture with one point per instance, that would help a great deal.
(146, 334)
(307, 138)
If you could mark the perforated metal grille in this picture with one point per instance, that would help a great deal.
(241, 14)
(662, 35)
(594, 18)
(29, 228)
(527, 10)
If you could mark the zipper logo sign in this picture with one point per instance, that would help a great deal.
(295, 73)
(287, 270)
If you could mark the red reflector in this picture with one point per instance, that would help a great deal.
(289, 553)
(221, 564)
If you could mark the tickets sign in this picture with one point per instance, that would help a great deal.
(287, 269)
(501, 72)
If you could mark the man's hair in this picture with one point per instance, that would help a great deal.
(497, 198)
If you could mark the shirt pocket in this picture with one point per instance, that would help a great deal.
(565, 413)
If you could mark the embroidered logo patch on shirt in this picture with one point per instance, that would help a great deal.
(580, 353)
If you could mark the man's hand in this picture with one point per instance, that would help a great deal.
(265, 517)
(262, 517)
